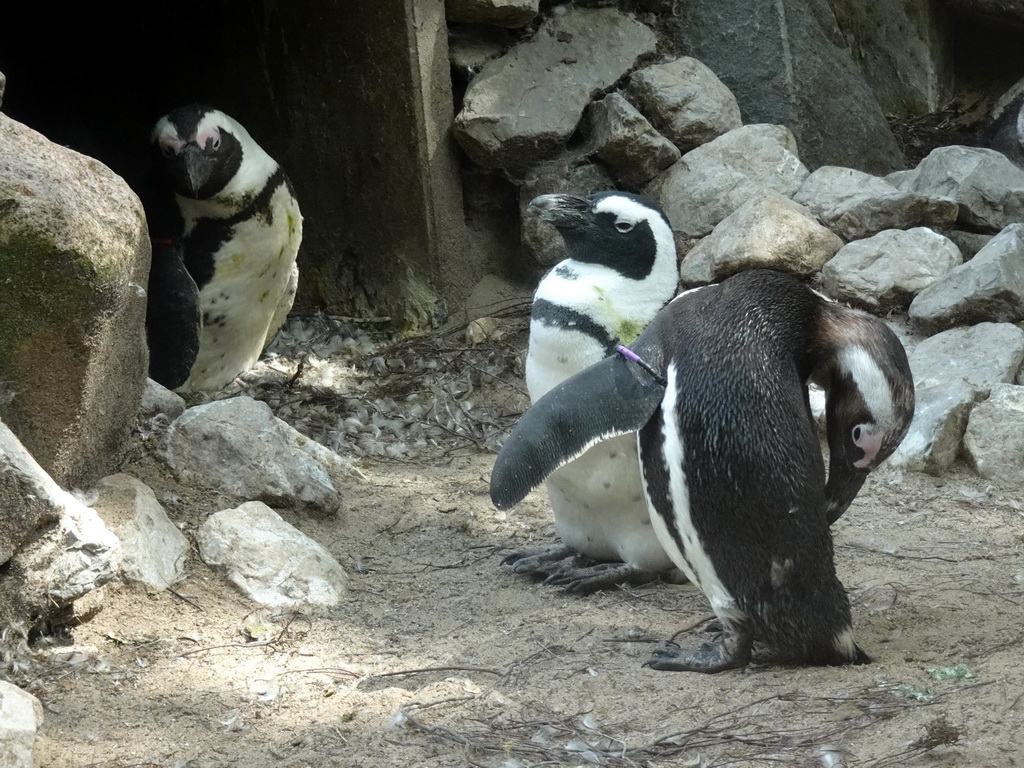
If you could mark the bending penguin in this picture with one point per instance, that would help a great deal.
(732, 471)
(226, 212)
(621, 270)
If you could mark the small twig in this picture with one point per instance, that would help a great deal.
(186, 599)
(322, 670)
(256, 644)
(399, 673)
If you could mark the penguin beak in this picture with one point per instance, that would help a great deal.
(564, 211)
(844, 483)
(192, 171)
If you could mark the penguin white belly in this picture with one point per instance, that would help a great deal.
(600, 509)
(247, 293)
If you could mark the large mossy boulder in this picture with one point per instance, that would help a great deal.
(74, 260)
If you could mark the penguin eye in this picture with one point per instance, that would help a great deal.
(857, 433)
(216, 143)
(624, 226)
(167, 150)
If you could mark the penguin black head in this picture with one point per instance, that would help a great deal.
(618, 230)
(870, 399)
(200, 150)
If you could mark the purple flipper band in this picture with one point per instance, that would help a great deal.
(629, 354)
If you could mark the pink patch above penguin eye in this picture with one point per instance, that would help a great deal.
(170, 146)
(209, 138)
(867, 438)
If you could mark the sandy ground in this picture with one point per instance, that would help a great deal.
(442, 657)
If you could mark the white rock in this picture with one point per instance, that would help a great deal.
(155, 551)
(886, 271)
(60, 549)
(272, 562)
(713, 180)
(769, 231)
(31, 498)
(84, 556)
(21, 716)
(994, 439)
(239, 447)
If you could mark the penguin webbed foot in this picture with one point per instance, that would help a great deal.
(538, 559)
(564, 567)
(731, 650)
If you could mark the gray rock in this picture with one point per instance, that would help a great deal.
(952, 372)
(856, 204)
(470, 47)
(981, 356)
(989, 287)
(994, 439)
(988, 187)
(940, 416)
(712, 181)
(626, 143)
(272, 562)
(21, 716)
(239, 447)
(539, 239)
(501, 13)
(520, 110)
(885, 272)
(769, 231)
(154, 550)
(786, 64)
(157, 400)
(902, 179)
(904, 51)
(74, 254)
(3, 85)
(685, 101)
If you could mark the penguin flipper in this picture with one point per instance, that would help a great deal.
(173, 319)
(610, 398)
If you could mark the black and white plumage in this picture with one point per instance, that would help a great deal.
(732, 469)
(238, 226)
(1006, 133)
(621, 270)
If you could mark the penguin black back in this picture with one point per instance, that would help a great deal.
(734, 471)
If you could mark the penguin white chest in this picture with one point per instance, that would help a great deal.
(554, 354)
(253, 280)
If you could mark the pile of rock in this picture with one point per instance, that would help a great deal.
(939, 249)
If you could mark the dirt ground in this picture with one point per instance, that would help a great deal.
(440, 656)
